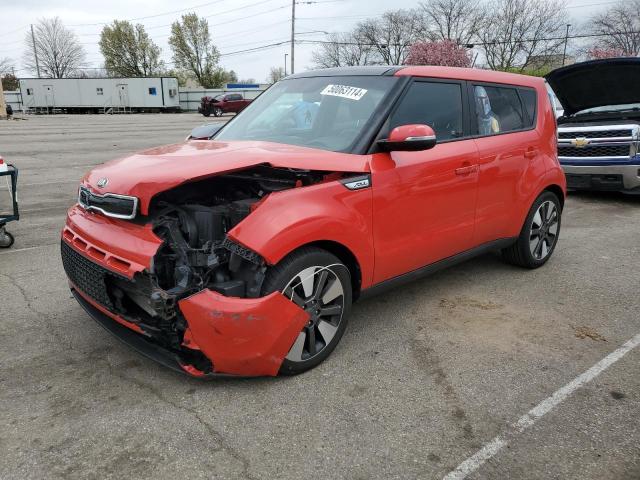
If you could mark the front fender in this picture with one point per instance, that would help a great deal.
(292, 218)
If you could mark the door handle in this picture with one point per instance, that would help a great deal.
(530, 152)
(466, 170)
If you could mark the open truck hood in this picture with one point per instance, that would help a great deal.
(597, 83)
(147, 173)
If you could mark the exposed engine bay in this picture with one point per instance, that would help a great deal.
(193, 220)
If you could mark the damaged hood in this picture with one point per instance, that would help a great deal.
(147, 173)
(597, 83)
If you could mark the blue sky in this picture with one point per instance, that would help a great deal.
(235, 25)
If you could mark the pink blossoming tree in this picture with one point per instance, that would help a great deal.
(598, 53)
(445, 53)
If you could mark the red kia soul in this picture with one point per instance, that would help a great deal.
(242, 254)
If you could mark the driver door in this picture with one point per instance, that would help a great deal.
(424, 202)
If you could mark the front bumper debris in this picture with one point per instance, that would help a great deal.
(242, 336)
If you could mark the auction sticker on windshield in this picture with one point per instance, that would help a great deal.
(352, 93)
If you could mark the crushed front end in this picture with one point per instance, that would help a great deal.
(173, 285)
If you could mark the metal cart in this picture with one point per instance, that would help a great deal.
(8, 181)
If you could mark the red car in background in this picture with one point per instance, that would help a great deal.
(242, 254)
(223, 103)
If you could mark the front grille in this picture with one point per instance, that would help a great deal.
(594, 151)
(89, 277)
(595, 134)
(111, 204)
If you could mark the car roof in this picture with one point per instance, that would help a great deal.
(372, 70)
(472, 74)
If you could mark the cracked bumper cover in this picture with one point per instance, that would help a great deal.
(241, 336)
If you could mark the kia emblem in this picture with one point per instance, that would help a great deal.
(102, 182)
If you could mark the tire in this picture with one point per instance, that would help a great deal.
(320, 336)
(206, 112)
(539, 235)
(217, 112)
(7, 241)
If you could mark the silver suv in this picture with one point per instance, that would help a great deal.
(599, 132)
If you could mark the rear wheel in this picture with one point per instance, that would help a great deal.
(319, 283)
(6, 239)
(539, 235)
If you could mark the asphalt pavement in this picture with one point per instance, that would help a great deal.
(426, 376)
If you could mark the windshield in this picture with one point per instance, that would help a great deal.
(328, 113)
(611, 108)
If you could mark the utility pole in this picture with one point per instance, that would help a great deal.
(35, 52)
(293, 35)
(285, 64)
(3, 106)
(566, 40)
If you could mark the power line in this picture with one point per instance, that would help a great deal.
(150, 16)
(13, 31)
(495, 42)
(217, 14)
(592, 4)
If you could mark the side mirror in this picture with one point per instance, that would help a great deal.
(205, 132)
(409, 138)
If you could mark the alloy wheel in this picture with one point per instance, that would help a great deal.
(544, 230)
(318, 291)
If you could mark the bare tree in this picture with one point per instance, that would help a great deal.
(275, 74)
(620, 28)
(515, 31)
(193, 50)
(128, 51)
(391, 36)
(344, 50)
(58, 50)
(456, 20)
(6, 66)
(93, 73)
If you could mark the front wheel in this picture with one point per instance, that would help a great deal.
(319, 283)
(217, 112)
(539, 235)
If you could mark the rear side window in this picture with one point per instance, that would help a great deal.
(528, 98)
(498, 110)
(436, 104)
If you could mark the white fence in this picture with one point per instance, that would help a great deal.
(190, 99)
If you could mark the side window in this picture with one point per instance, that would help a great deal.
(498, 110)
(436, 104)
(529, 98)
(236, 97)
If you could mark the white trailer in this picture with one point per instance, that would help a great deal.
(100, 94)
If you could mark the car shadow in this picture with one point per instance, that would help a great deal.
(627, 198)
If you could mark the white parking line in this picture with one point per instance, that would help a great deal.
(39, 184)
(474, 462)
(6, 252)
